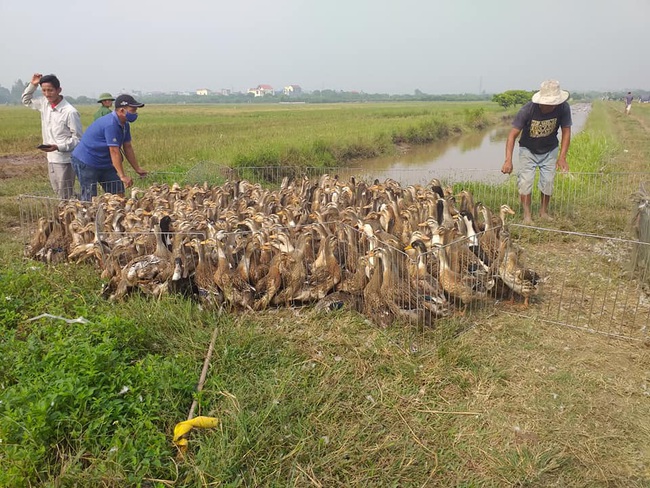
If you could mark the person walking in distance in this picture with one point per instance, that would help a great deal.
(628, 103)
(61, 130)
(538, 122)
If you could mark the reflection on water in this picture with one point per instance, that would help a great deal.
(476, 157)
(500, 134)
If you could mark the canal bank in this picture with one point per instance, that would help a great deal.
(475, 156)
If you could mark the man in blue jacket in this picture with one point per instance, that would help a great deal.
(98, 157)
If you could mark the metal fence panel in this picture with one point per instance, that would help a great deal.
(245, 245)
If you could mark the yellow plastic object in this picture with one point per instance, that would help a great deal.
(184, 427)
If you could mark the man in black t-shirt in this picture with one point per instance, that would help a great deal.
(538, 123)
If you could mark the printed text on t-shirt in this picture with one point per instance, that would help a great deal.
(542, 128)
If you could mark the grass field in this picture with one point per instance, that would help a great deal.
(176, 137)
(307, 400)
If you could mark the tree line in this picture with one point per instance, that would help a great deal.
(512, 98)
(12, 96)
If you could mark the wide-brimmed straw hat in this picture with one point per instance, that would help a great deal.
(105, 96)
(550, 94)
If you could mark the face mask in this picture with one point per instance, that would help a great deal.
(131, 117)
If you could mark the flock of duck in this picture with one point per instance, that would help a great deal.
(414, 253)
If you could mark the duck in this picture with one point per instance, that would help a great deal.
(43, 230)
(430, 260)
(287, 271)
(237, 292)
(462, 286)
(260, 257)
(55, 250)
(339, 300)
(325, 271)
(522, 281)
(354, 282)
(208, 292)
(181, 283)
(504, 211)
(460, 256)
(149, 273)
(293, 271)
(467, 202)
(398, 298)
(422, 280)
(88, 243)
(489, 238)
(468, 225)
(148, 240)
(374, 303)
(347, 251)
(436, 186)
(117, 254)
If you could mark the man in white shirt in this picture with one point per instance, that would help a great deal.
(61, 127)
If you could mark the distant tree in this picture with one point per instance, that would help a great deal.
(82, 100)
(502, 99)
(512, 97)
(5, 95)
(17, 90)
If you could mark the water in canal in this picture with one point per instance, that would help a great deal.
(476, 156)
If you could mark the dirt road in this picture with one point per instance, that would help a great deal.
(21, 165)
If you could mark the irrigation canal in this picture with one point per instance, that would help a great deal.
(477, 156)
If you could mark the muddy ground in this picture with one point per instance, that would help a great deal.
(21, 165)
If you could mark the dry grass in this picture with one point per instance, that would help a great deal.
(509, 402)
(580, 396)
(588, 285)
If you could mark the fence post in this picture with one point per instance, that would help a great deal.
(641, 227)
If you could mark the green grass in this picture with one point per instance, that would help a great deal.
(304, 399)
(178, 137)
(594, 177)
(595, 144)
(337, 400)
(61, 401)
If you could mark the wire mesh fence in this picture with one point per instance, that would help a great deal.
(399, 254)
(150, 178)
(591, 284)
(575, 193)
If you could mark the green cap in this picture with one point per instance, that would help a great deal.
(105, 96)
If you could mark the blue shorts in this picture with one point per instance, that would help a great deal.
(89, 177)
(528, 163)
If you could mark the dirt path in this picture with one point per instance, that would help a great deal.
(641, 123)
(635, 115)
(21, 165)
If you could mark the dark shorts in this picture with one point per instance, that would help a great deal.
(89, 177)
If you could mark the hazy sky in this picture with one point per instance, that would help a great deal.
(378, 46)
